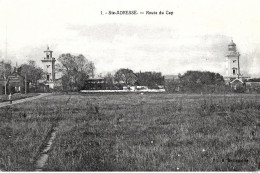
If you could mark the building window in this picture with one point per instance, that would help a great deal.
(234, 61)
(48, 56)
(48, 77)
(234, 71)
(48, 66)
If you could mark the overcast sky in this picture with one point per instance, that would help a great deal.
(195, 37)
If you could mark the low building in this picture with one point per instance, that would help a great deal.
(236, 83)
(16, 83)
(141, 87)
(253, 87)
(98, 83)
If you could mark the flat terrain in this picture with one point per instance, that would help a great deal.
(133, 132)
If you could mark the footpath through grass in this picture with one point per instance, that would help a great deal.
(134, 132)
(23, 128)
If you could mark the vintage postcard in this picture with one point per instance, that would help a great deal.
(129, 85)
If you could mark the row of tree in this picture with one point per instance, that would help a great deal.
(127, 77)
(76, 70)
(29, 69)
(198, 82)
(32, 72)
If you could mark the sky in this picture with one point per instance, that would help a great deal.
(195, 37)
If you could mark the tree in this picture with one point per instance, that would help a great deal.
(75, 70)
(197, 81)
(5, 69)
(172, 85)
(109, 78)
(91, 68)
(150, 79)
(125, 76)
(32, 72)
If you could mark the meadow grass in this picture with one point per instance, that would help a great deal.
(23, 129)
(134, 132)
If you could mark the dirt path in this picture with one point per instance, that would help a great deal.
(44, 152)
(45, 148)
(24, 100)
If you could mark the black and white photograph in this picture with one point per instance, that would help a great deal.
(130, 85)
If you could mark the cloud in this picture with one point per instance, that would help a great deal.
(167, 50)
(194, 38)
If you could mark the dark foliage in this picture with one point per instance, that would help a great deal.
(149, 79)
(125, 76)
(254, 80)
(75, 71)
(32, 72)
(198, 82)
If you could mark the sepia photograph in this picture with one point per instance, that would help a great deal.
(129, 85)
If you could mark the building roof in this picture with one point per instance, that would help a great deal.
(236, 81)
(48, 49)
(252, 83)
(231, 43)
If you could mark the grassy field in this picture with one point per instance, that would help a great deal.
(134, 132)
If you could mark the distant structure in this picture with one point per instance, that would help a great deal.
(232, 61)
(49, 68)
(97, 83)
(233, 75)
(16, 82)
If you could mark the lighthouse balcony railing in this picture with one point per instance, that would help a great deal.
(48, 58)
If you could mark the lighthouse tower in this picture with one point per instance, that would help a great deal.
(232, 62)
(49, 68)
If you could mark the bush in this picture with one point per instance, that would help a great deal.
(239, 89)
(197, 82)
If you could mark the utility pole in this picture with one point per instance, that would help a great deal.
(6, 79)
(6, 41)
(25, 84)
(5, 84)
